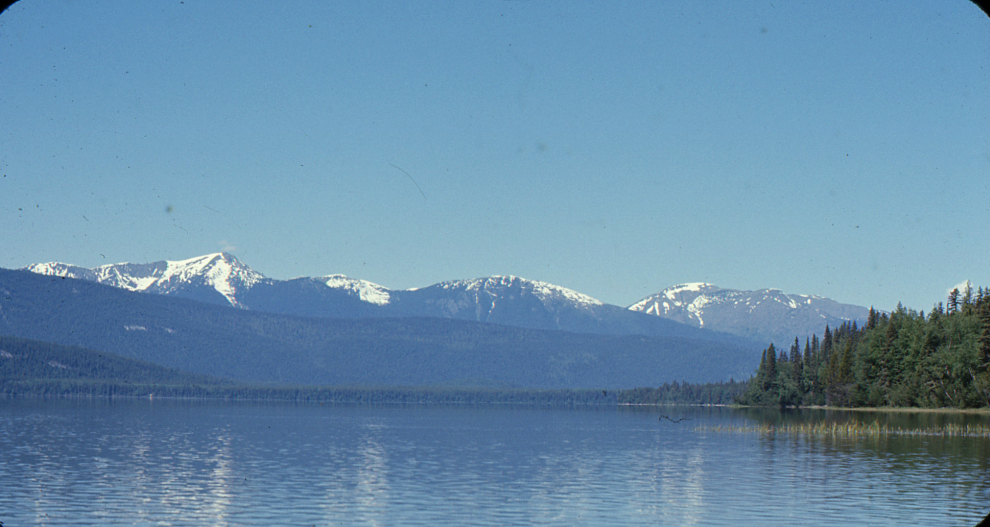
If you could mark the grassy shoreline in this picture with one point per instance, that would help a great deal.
(854, 429)
(864, 409)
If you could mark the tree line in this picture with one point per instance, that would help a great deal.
(87, 388)
(715, 393)
(903, 358)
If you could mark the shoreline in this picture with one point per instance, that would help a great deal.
(865, 409)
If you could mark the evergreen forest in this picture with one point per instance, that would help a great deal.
(675, 393)
(900, 359)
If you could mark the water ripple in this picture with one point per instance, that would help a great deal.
(181, 463)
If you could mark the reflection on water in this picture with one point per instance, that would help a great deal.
(211, 463)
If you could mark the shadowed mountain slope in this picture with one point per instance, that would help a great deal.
(269, 348)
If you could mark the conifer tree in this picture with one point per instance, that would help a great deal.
(761, 374)
(826, 345)
(890, 335)
(771, 375)
(845, 375)
(796, 367)
(984, 339)
(953, 303)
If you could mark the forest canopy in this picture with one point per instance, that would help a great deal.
(904, 359)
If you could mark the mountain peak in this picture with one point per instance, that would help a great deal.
(767, 314)
(497, 284)
(222, 272)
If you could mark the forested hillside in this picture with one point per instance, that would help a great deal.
(35, 368)
(904, 358)
(25, 363)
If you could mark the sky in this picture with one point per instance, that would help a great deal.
(840, 149)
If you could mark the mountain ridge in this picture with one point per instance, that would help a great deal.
(766, 315)
(261, 347)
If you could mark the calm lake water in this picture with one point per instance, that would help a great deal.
(141, 462)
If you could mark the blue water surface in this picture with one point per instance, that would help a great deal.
(161, 462)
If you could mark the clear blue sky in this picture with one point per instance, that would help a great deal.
(616, 148)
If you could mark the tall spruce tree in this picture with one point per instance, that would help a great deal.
(983, 343)
(953, 302)
(771, 375)
(796, 368)
(826, 345)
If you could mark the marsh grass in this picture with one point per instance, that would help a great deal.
(854, 429)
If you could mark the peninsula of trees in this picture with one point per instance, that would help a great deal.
(899, 359)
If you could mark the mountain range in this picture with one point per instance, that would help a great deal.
(252, 346)
(767, 315)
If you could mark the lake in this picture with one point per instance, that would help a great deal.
(162, 462)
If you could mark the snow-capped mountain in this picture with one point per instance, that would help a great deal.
(484, 296)
(506, 300)
(202, 278)
(768, 315)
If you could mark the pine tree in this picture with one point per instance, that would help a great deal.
(811, 369)
(981, 377)
(953, 303)
(771, 375)
(826, 345)
(761, 374)
(984, 339)
(796, 368)
(845, 375)
(845, 364)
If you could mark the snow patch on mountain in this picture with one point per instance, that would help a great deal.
(62, 270)
(690, 298)
(545, 292)
(363, 289)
